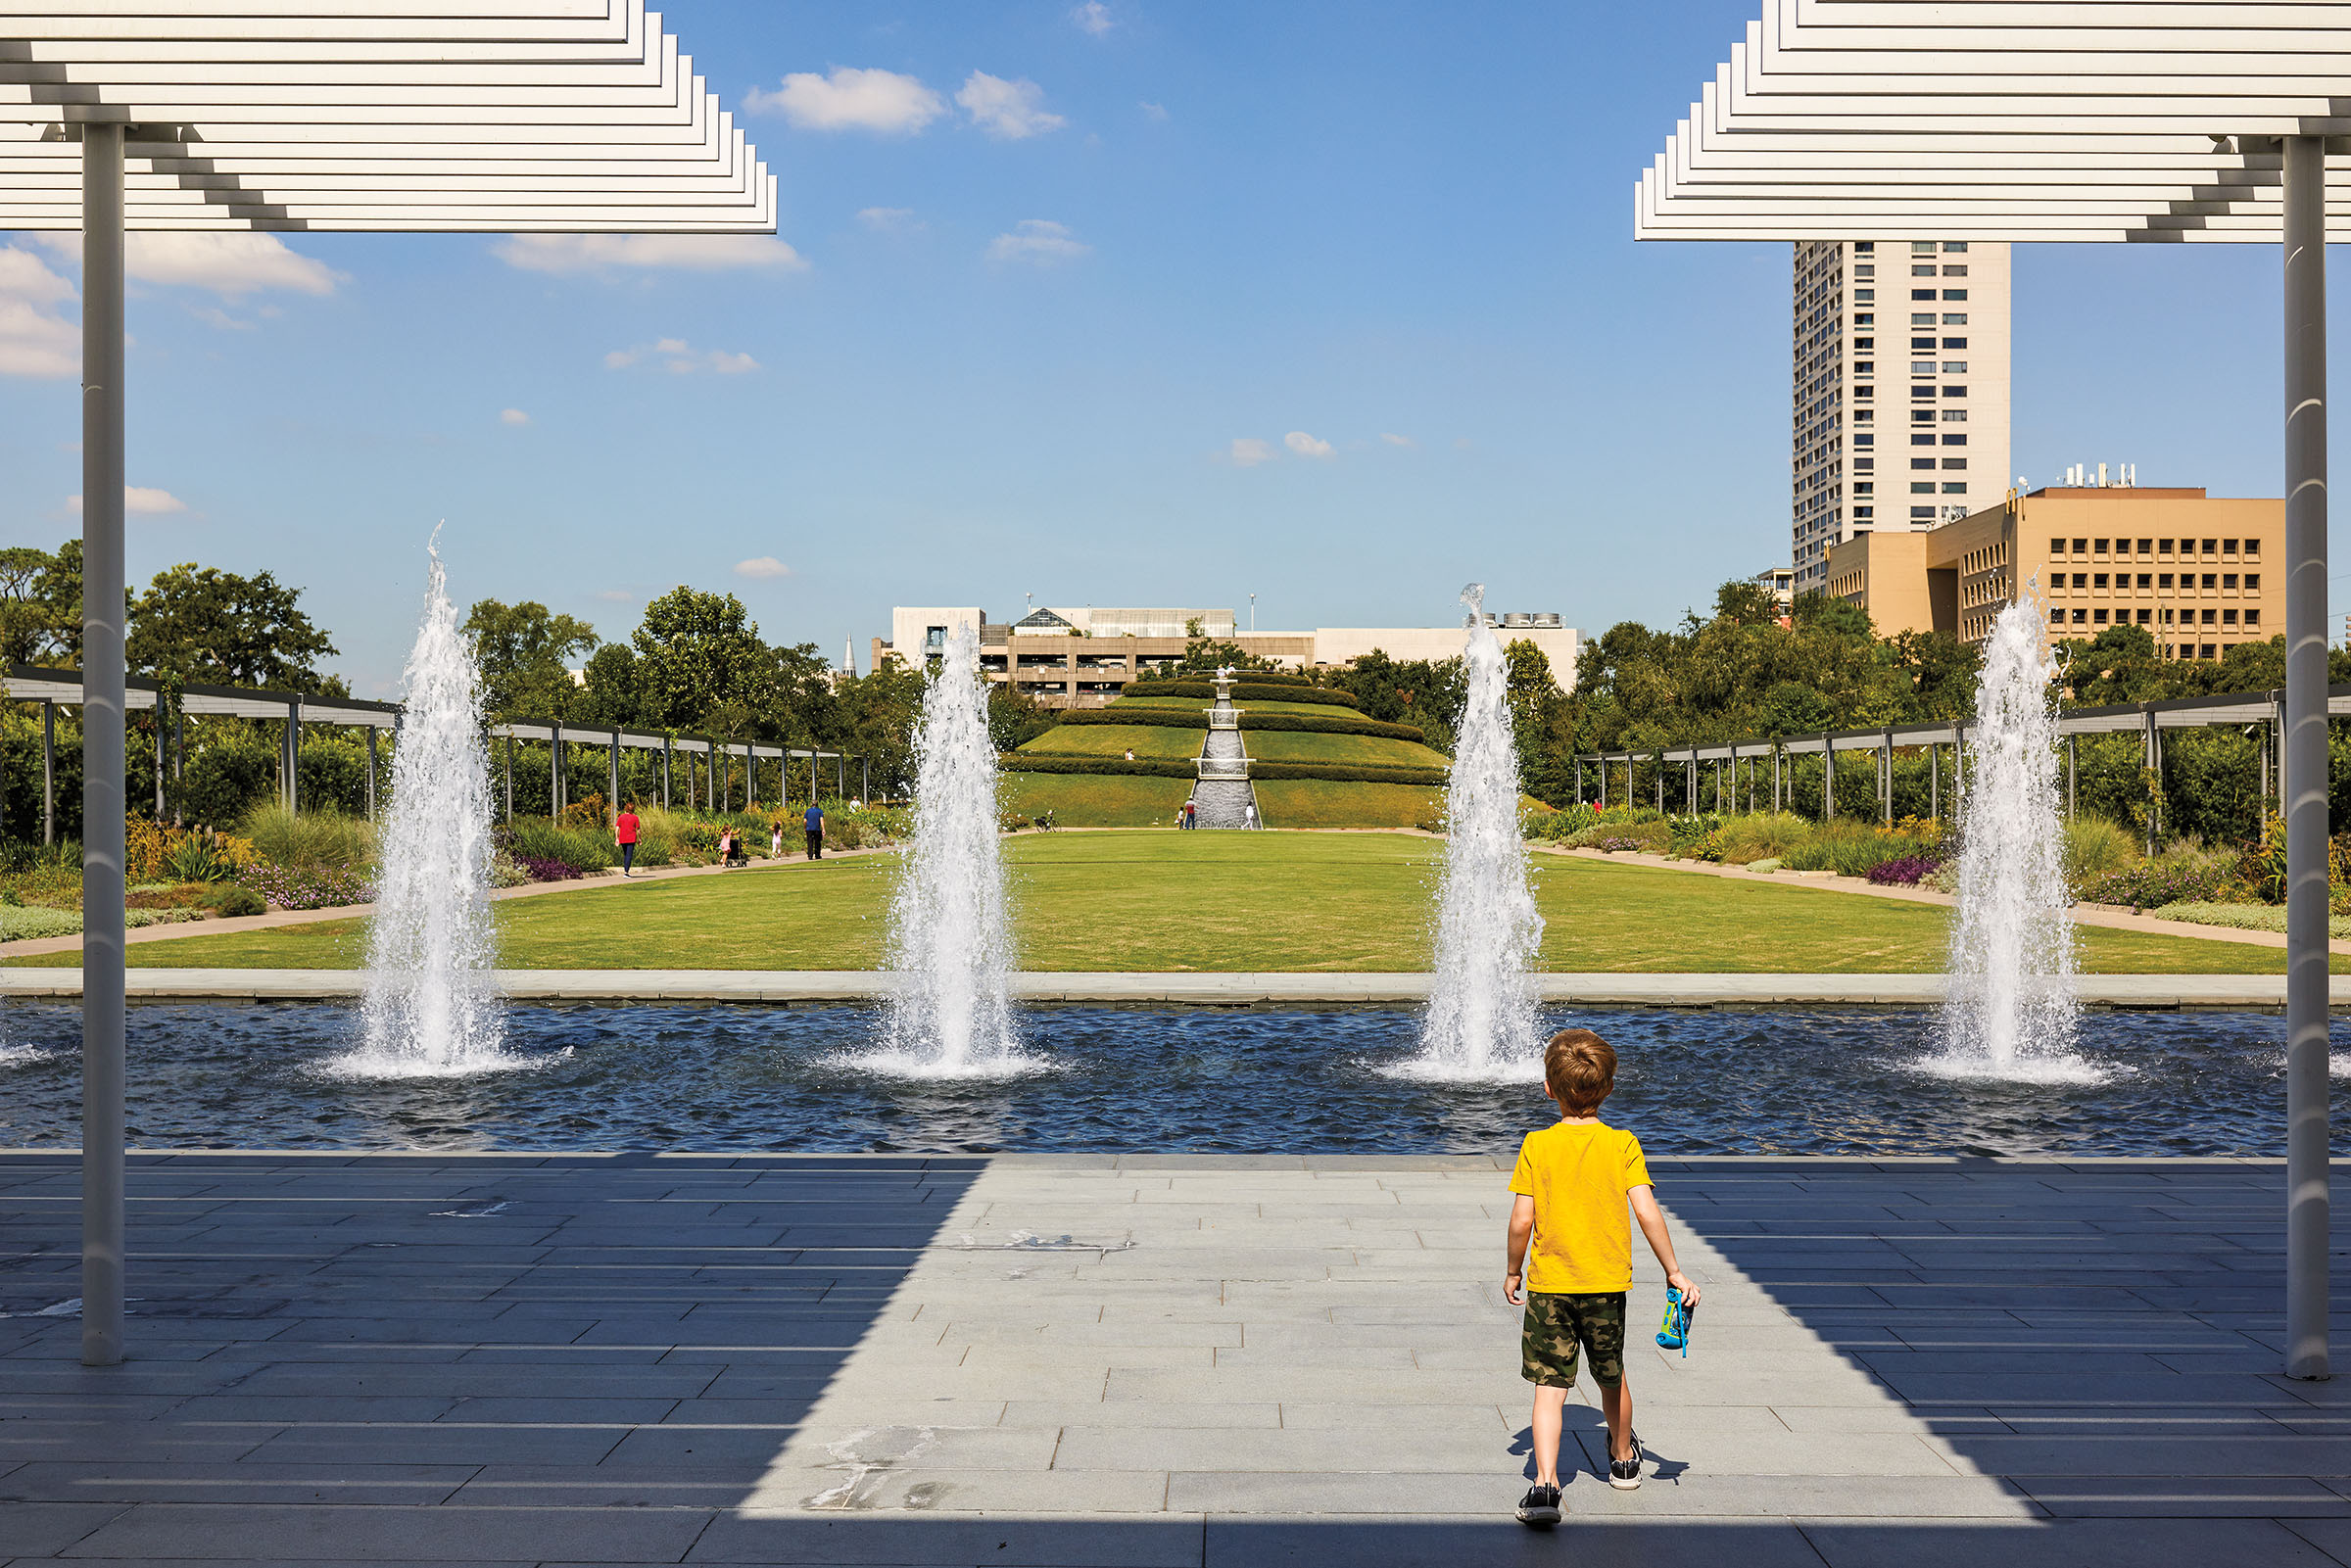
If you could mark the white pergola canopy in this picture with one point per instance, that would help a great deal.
(498, 115)
(2004, 119)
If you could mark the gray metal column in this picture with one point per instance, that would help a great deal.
(840, 773)
(865, 779)
(293, 754)
(102, 784)
(710, 777)
(554, 769)
(1885, 777)
(2151, 761)
(665, 751)
(2307, 1200)
(1775, 776)
(1828, 779)
(1934, 779)
(2072, 774)
(49, 773)
(159, 758)
(613, 798)
(1579, 780)
(179, 761)
(751, 775)
(371, 767)
(509, 776)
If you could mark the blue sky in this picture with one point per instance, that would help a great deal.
(1042, 268)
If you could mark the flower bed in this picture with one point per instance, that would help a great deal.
(307, 886)
(1907, 871)
(546, 871)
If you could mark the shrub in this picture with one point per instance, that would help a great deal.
(545, 870)
(1762, 835)
(230, 901)
(1647, 837)
(229, 776)
(528, 838)
(2244, 917)
(198, 858)
(1852, 849)
(307, 886)
(1907, 871)
(1692, 835)
(1250, 690)
(1766, 866)
(26, 922)
(310, 839)
(1545, 823)
(506, 873)
(2179, 877)
(2094, 847)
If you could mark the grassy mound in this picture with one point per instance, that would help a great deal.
(1116, 740)
(1321, 803)
(1351, 750)
(1096, 800)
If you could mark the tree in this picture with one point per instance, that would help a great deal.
(33, 625)
(1743, 603)
(696, 651)
(611, 693)
(524, 653)
(199, 623)
(1206, 656)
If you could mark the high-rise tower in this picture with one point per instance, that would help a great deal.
(1901, 390)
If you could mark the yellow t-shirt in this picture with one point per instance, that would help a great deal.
(1578, 1174)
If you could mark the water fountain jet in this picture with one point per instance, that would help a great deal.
(431, 1007)
(950, 934)
(1481, 1021)
(2010, 1010)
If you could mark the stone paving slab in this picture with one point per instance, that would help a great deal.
(332, 1362)
(819, 988)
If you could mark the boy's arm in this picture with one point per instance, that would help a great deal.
(1514, 1254)
(1652, 1226)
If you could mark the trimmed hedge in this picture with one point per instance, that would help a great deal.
(1253, 677)
(1312, 723)
(1162, 768)
(1249, 691)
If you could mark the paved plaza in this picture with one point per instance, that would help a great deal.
(1069, 1360)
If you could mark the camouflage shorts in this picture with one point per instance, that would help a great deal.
(1555, 1325)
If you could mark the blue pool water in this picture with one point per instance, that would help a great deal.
(721, 1078)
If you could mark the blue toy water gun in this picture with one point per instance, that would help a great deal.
(1674, 1333)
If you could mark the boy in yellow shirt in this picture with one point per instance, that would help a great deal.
(1573, 1184)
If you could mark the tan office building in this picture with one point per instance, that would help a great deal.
(2186, 566)
(1900, 391)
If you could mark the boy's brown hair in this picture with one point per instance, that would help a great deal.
(1579, 1069)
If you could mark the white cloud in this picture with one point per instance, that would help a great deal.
(1093, 17)
(616, 596)
(890, 219)
(762, 566)
(232, 264)
(1306, 446)
(1248, 451)
(685, 253)
(141, 501)
(1009, 111)
(212, 316)
(883, 102)
(1152, 110)
(1394, 440)
(681, 358)
(512, 416)
(35, 340)
(1035, 239)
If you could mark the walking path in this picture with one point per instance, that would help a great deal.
(32, 945)
(1195, 988)
(2108, 916)
(1145, 1359)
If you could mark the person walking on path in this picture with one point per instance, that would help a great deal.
(816, 831)
(624, 832)
(774, 846)
(1249, 815)
(1568, 1258)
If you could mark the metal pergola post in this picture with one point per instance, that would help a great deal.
(1828, 779)
(710, 777)
(612, 812)
(372, 765)
(1579, 779)
(179, 761)
(1935, 780)
(665, 751)
(840, 773)
(1775, 777)
(2307, 1199)
(102, 1006)
(293, 754)
(48, 772)
(554, 769)
(2152, 761)
(2072, 774)
(1885, 777)
(509, 776)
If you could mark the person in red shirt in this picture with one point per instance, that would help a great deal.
(624, 830)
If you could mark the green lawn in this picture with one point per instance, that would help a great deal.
(1215, 901)
(1096, 800)
(1332, 803)
(1347, 750)
(1114, 740)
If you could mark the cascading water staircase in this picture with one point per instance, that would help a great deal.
(1224, 793)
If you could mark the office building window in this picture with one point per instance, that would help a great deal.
(1955, 343)
(2208, 546)
(2163, 579)
(1864, 247)
(1865, 296)
(2081, 617)
(1922, 462)
(2207, 617)
(1954, 416)
(1918, 512)
(2210, 651)
(1862, 318)
(1920, 392)
(1954, 318)
(1866, 487)
(1954, 490)
(1954, 462)
(1954, 294)
(1923, 271)
(2056, 617)
(2207, 580)
(1918, 489)
(1922, 439)
(2227, 579)
(2057, 547)
(2252, 582)
(1921, 294)
(2097, 546)
(2228, 546)
(2228, 617)
(2146, 582)
(1865, 272)
(1865, 441)
(1863, 513)
(1954, 440)
(2099, 581)
(1922, 342)
(1922, 416)
(2145, 617)
(2252, 617)
(1922, 367)
(1960, 246)
(1922, 318)
(2146, 546)
(1954, 368)
(1954, 271)
(2099, 617)
(1865, 368)
(1955, 392)
(2081, 579)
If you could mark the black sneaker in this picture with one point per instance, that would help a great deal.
(1540, 1505)
(1625, 1474)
